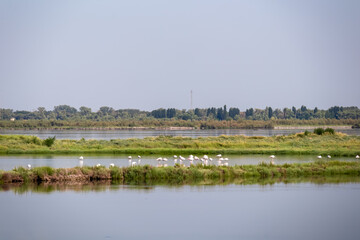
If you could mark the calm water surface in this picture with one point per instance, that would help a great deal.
(279, 211)
(9, 162)
(123, 134)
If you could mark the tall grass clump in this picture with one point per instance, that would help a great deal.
(49, 141)
(319, 131)
(329, 131)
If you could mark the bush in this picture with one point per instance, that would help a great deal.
(330, 131)
(306, 133)
(49, 141)
(319, 131)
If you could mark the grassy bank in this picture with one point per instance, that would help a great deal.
(181, 175)
(336, 145)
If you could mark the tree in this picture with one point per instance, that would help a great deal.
(233, 112)
(219, 114)
(85, 111)
(6, 114)
(40, 113)
(224, 113)
(63, 112)
(170, 113)
(249, 113)
(270, 112)
(303, 108)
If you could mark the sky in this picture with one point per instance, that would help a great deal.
(151, 54)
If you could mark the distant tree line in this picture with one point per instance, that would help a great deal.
(65, 112)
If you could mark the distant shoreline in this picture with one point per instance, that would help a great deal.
(336, 127)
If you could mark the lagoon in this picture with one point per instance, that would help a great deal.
(125, 134)
(276, 211)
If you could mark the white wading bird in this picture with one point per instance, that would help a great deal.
(81, 162)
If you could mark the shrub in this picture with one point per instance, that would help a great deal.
(49, 141)
(319, 131)
(306, 133)
(330, 131)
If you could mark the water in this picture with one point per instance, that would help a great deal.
(278, 211)
(8, 162)
(124, 134)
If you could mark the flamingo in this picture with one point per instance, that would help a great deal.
(81, 162)
(159, 159)
(112, 165)
(319, 157)
(181, 158)
(29, 166)
(98, 165)
(133, 164)
(175, 156)
(357, 157)
(139, 159)
(272, 156)
(219, 155)
(329, 156)
(165, 159)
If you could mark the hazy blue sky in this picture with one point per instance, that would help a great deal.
(150, 54)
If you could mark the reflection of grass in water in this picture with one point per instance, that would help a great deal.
(103, 186)
(334, 144)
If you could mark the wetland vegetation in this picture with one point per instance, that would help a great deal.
(195, 174)
(336, 144)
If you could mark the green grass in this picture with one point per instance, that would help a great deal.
(334, 144)
(182, 175)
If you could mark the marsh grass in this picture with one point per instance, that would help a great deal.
(177, 174)
(302, 143)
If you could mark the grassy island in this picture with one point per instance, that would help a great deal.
(180, 174)
(302, 143)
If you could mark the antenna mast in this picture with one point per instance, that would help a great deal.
(191, 100)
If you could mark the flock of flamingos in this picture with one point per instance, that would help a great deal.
(205, 160)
